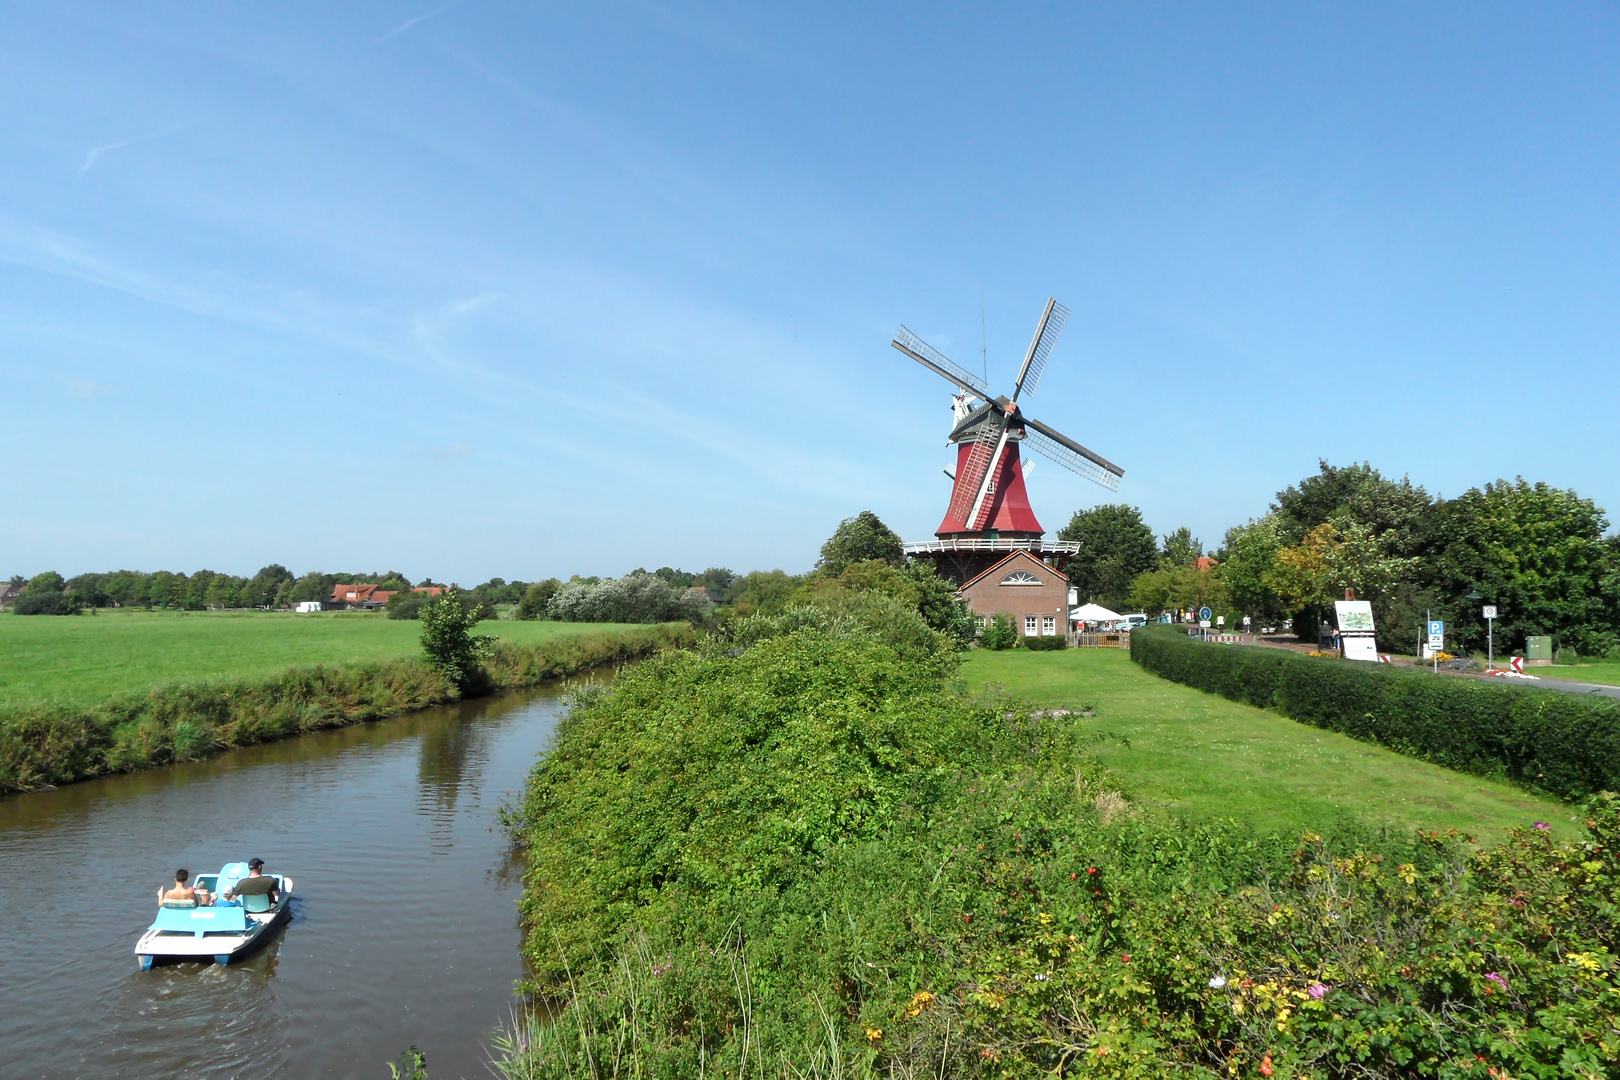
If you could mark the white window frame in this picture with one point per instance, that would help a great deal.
(1013, 580)
(1048, 626)
(1029, 625)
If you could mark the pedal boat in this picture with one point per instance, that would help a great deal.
(226, 931)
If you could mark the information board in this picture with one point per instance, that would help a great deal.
(1360, 648)
(1355, 616)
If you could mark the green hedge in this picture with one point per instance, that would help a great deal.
(54, 743)
(1557, 742)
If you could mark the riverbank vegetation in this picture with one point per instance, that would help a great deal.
(56, 740)
(806, 848)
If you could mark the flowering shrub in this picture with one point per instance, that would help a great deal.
(811, 853)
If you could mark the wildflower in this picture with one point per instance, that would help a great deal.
(1218, 982)
(1073, 876)
(1497, 978)
(1317, 991)
(874, 1034)
(1102, 1051)
(1543, 826)
(1124, 958)
(1265, 1065)
(1091, 870)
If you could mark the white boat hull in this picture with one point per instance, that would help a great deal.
(219, 948)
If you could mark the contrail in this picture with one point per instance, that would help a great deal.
(408, 23)
(97, 151)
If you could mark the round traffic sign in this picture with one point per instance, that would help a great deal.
(1204, 612)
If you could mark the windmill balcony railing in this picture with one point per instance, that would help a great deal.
(977, 543)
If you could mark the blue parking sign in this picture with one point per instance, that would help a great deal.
(1437, 628)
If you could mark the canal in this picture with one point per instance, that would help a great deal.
(404, 924)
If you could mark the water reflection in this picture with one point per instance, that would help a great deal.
(404, 924)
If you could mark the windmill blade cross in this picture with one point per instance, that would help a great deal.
(936, 361)
(975, 473)
(1057, 447)
(1041, 346)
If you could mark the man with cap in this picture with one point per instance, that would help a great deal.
(257, 883)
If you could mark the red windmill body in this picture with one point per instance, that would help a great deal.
(989, 516)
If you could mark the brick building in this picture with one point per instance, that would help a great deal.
(1033, 593)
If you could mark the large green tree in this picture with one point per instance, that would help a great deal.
(859, 539)
(1393, 509)
(1180, 548)
(1115, 546)
(1537, 553)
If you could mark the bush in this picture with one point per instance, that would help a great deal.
(1000, 633)
(45, 603)
(1546, 739)
(1045, 644)
(447, 642)
(634, 598)
(811, 858)
(407, 605)
(536, 598)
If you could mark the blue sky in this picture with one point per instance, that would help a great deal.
(495, 288)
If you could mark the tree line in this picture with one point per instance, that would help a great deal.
(1538, 553)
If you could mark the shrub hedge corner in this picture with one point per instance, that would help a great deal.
(1566, 745)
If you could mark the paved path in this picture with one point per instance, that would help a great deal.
(1568, 686)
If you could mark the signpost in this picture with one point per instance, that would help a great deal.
(1437, 641)
(1490, 637)
(1204, 616)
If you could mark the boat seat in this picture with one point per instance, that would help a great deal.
(179, 903)
(255, 903)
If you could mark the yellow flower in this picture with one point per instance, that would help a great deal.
(874, 1034)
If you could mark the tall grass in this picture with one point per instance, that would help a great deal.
(57, 742)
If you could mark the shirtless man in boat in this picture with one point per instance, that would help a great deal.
(182, 891)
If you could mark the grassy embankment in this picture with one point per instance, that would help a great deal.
(1595, 671)
(811, 857)
(1186, 753)
(84, 696)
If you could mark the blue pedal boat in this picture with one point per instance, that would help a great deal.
(226, 931)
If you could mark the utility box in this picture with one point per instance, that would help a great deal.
(1538, 651)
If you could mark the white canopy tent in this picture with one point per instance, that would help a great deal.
(1092, 613)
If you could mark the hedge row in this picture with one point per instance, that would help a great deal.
(1546, 739)
(55, 743)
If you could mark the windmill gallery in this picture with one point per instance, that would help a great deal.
(990, 544)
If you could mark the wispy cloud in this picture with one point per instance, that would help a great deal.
(85, 388)
(95, 152)
(409, 23)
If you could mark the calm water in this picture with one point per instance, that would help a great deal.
(404, 922)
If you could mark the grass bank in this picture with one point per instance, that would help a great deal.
(1189, 754)
(57, 741)
(1596, 671)
(89, 658)
(809, 855)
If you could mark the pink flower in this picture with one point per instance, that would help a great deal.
(1496, 978)
(1543, 826)
(1317, 991)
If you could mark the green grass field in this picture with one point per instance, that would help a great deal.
(1196, 755)
(86, 658)
(1600, 671)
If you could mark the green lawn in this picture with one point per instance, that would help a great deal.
(1600, 671)
(88, 657)
(1196, 755)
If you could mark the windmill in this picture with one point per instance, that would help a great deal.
(989, 513)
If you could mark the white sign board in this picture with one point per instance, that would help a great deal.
(1490, 611)
(1360, 648)
(1437, 634)
(1355, 616)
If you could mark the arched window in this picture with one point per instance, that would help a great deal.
(1020, 577)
